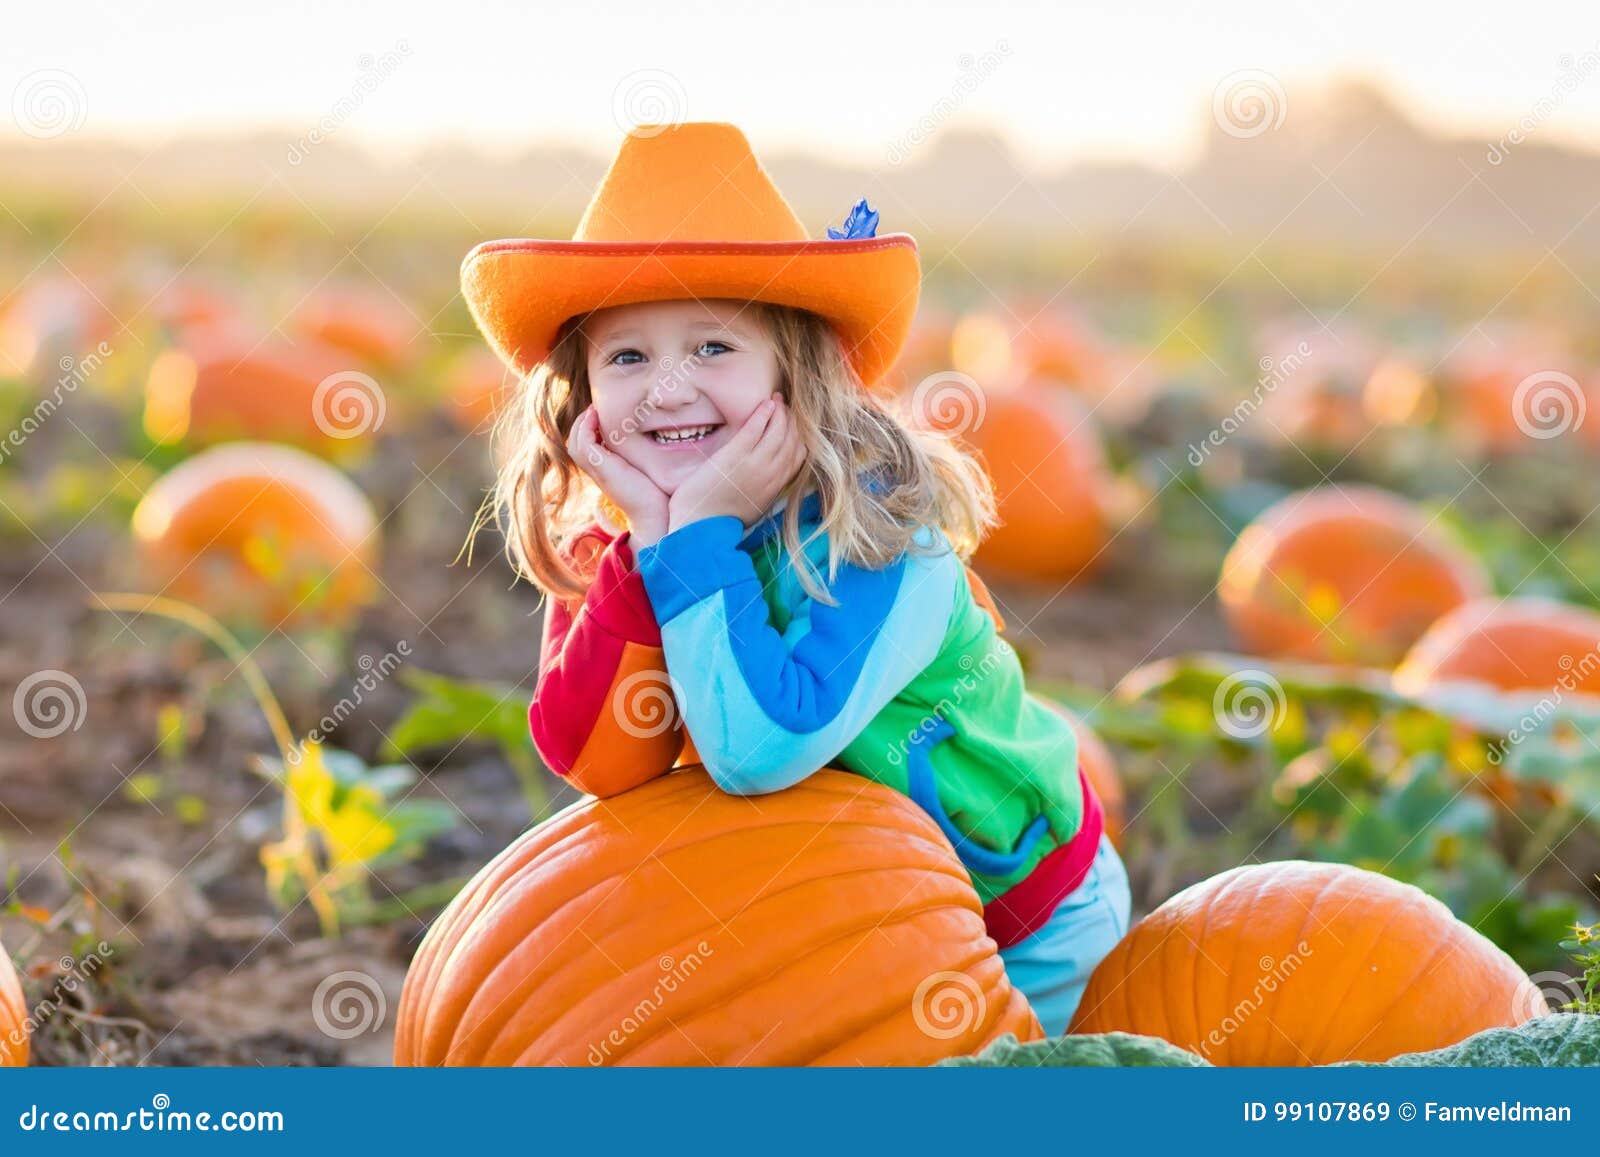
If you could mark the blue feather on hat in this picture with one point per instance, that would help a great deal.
(862, 222)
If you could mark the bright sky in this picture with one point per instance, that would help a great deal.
(1127, 79)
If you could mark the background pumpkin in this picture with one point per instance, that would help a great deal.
(829, 923)
(1342, 574)
(13, 1016)
(262, 532)
(1052, 486)
(1385, 969)
(1521, 644)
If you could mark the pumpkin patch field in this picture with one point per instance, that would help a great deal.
(1281, 541)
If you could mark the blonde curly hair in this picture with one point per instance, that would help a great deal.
(541, 497)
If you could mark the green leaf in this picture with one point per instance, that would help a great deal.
(1090, 1050)
(450, 710)
(1558, 1040)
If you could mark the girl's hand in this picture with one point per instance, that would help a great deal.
(621, 481)
(745, 477)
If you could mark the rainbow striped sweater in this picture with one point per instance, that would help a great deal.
(904, 680)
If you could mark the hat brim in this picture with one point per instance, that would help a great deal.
(520, 292)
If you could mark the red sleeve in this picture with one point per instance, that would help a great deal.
(603, 714)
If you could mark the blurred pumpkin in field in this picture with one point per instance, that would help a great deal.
(1043, 453)
(371, 325)
(225, 385)
(927, 350)
(1036, 342)
(1343, 574)
(1297, 963)
(476, 384)
(47, 319)
(677, 924)
(13, 1016)
(1101, 768)
(1533, 645)
(259, 532)
(1516, 644)
(1522, 393)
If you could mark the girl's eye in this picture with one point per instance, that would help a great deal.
(618, 358)
(707, 344)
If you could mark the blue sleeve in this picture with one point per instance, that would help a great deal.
(766, 710)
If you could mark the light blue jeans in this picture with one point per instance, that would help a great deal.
(1052, 966)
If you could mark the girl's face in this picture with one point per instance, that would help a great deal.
(673, 381)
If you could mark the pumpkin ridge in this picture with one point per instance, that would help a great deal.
(622, 980)
(1330, 879)
(1236, 878)
(1402, 993)
(865, 1020)
(1313, 1045)
(512, 899)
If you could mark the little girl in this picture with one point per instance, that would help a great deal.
(699, 475)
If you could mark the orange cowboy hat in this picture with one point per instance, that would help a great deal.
(687, 211)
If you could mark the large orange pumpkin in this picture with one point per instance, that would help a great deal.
(1052, 486)
(675, 924)
(1343, 574)
(13, 1016)
(1100, 766)
(262, 532)
(1297, 963)
(225, 385)
(1519, 644)
(374, 327)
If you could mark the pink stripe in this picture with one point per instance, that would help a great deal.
(1023, 908)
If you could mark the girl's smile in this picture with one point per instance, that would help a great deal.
(673, 381)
